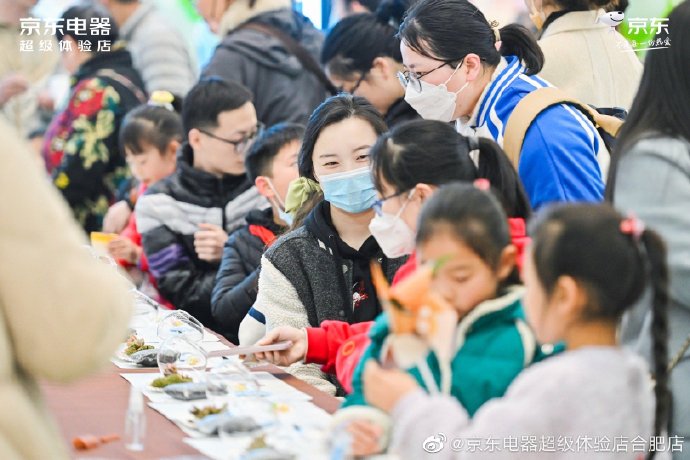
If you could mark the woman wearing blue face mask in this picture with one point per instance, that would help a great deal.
(320, 271)
(460, 68)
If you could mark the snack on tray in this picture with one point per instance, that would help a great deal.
(201, 412)
(135, 344)
(163, 382)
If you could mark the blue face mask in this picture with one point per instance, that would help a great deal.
(351, 191)
(286, 217)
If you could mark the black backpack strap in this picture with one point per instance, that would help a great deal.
(294, 48)
(125, 82)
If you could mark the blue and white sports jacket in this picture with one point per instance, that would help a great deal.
(562, 158)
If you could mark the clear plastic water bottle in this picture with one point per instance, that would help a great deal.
(135, 421)
(341, 444)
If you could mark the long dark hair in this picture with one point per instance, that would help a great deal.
(475, 217)
(448, 30)
(586, 242)
(662, 104)
(354, 42)
(333, 110)
(432, 152)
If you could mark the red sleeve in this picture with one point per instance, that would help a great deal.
(406, 269)
(323, 342)
(337, 345)
(518, 234)
(348, 357)
(130, 232)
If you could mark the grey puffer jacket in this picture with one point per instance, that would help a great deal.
(653, 182)
(283, 90)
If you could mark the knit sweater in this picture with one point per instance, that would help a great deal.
(564, 407)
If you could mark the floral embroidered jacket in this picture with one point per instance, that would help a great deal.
(81, 147)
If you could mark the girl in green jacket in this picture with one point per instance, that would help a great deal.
(468, 229)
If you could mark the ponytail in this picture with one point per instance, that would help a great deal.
(433, 153)
(495, 167)
(658, 279)
(300, 215)
(302, 197)
(517, 41)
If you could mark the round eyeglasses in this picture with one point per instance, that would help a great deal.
(243, 144)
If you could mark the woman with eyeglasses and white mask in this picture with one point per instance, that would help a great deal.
(461, 68)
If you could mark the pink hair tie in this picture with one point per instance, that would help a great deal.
(632, 226)
(482, 184)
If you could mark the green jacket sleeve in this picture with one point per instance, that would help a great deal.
(378, 335)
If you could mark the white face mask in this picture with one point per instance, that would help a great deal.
(434, 102)
(392, 234)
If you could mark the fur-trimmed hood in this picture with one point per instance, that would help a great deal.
(240, 12)
(264, 49)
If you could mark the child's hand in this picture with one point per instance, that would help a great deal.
(209, 242)
(383, 388)
(122, 248)
(365, 438)
(295, 353)
(116, 218)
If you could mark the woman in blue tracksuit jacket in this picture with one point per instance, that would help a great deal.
(461, 68)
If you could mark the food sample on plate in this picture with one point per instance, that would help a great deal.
(135, 344)
(201, 412)
(170, 379)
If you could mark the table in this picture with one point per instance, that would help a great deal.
(97, 405)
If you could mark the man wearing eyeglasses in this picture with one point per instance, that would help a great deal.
(185, 219)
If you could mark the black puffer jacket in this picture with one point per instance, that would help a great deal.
(169, 214)
(237, 281)
(283, 90)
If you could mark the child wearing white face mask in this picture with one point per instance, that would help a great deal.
(271, 165)
(321, 270)
(409, 163)
(462, 68)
